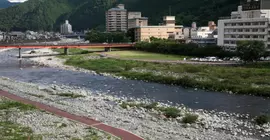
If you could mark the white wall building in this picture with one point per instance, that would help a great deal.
(66, 28)
(132, 15)
(250, 22)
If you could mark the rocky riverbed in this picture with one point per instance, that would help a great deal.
(20, 121)
(150, 124)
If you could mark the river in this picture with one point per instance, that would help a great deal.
(23, 70)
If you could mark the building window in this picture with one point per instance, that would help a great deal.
(247, 23)
(254, 30)
(255, 36)
(246, 30)
(255, 23)
(262, 23)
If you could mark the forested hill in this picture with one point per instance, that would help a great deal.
(83, 14)
(5, 4)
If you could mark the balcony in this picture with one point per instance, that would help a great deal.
(243, 39)
(246, 33)
(245, 26)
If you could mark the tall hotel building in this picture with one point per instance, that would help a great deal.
(116, 19)
(250, 22)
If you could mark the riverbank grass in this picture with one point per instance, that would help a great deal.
(249, 79)
(131, 54)
(262, 119)
(10, 104)
(10, 130)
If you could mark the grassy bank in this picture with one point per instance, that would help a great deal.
(10, 130)
(145, 55)
(249, 79)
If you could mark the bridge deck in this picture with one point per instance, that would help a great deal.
(70, 46)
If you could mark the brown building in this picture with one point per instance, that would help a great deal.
(135, 22)
(116, 19)
(166, 31)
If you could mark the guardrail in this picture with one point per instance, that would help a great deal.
(62, 45)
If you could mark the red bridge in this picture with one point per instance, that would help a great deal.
(92, 45)
(66, 46)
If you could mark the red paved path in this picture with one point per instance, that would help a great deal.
(124, 135)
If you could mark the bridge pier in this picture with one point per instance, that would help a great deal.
(108, 49)
(65, 51)
(20, 52)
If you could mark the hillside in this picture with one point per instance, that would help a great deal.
(5, 4)
(83, 14)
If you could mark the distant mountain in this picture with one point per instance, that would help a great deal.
(83, 14)
(5, 4)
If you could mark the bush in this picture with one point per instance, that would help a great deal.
(172, 47)
(262, 119)
(190, 118)
(171, 112)
(151, 106)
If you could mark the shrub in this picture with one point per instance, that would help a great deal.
(262, 119)
(171, 112)
(151, 106)
(190, 118)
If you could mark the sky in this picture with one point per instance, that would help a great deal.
(16, 1)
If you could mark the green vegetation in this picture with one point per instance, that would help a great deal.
(190, 118)
(172, 47)
(262, 119)
(70, 95)
(97, 37)
(18, 105)
(145, 55)
(251, 79)
(250, 51)
(12, 131)
(73, 51)
(169, 112)
(83, 14)
(94, 134)
(146, 106)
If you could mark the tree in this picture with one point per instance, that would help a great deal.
(131, 34)
(250, 51)
(100, 37)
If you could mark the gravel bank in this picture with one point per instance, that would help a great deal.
(149, 124)
(47, 126)
(55, 62)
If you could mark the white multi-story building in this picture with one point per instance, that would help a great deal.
(116, 19)
(66, 28)
(250, 22)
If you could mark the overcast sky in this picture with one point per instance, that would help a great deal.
(17, 1)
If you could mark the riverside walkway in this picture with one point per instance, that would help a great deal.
(123, 134)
